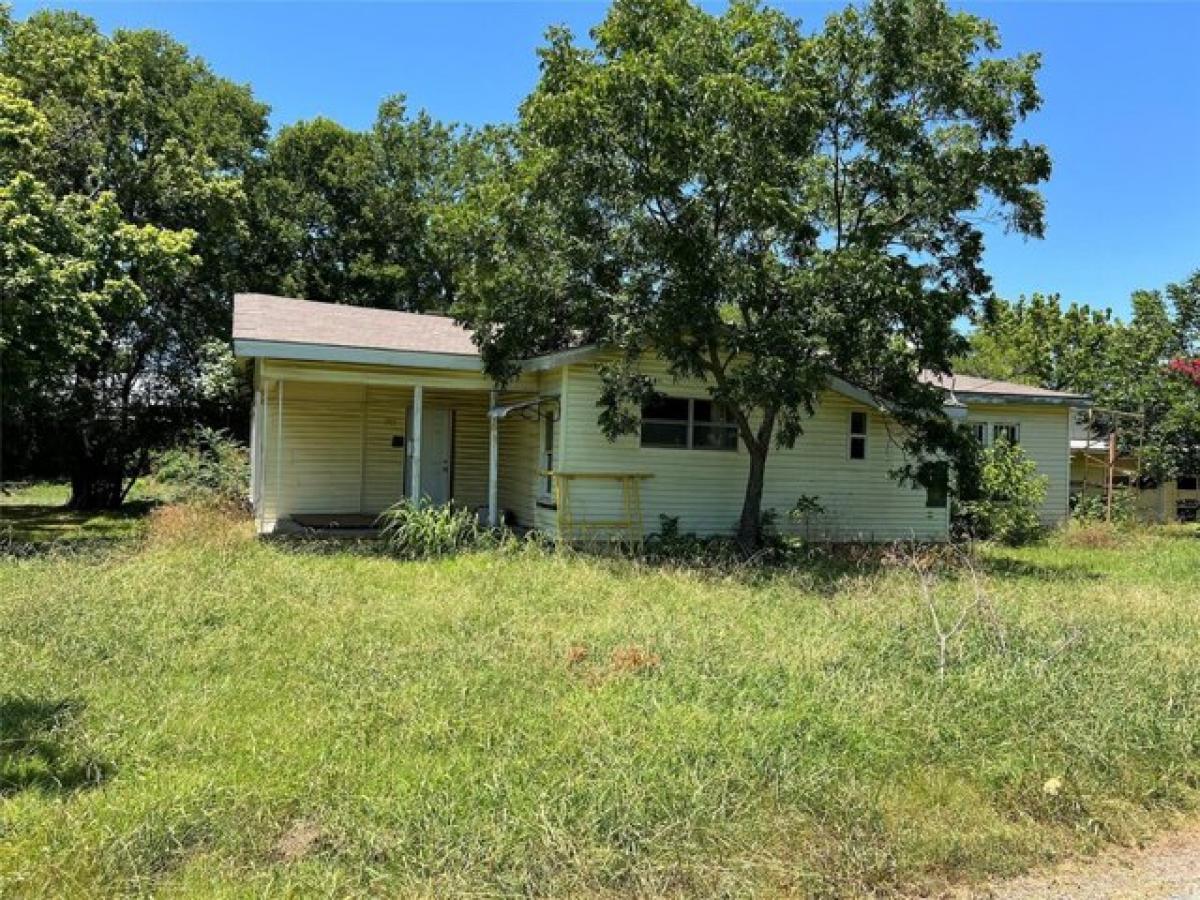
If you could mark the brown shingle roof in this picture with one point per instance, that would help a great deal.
(969, 384)
(264, 317)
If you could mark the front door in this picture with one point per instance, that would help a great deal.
(437, 441)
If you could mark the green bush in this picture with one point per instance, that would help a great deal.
(210, 466)
(415, 530)
(1094, 507)
(1004, 504)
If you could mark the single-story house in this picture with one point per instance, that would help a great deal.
(356, 408)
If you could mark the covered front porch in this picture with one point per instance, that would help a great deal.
(335, 445)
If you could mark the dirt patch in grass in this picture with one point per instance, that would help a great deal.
(303, 838)
(1168, 867)
(625, 660)
(1094, 536)
(633, 660)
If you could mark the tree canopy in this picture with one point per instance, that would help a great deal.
(120, 224)
(762, 207)
(138, 191)
(1144, 365)
(362, 217)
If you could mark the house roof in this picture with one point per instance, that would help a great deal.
(266, 325)
(990, 387)
(270, 319)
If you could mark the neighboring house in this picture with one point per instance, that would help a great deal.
(1172, 500)
(357, 408)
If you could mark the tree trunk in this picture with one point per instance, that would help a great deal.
(96, 483)
(95, 490)
(749, 533)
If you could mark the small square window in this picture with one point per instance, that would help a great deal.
(1186, 483)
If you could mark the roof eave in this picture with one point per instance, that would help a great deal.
(416, 359)
(1075, 401)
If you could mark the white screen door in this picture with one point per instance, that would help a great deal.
(437, 434)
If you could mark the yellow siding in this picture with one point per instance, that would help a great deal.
(383, 484)
(518, 467)
(337, 447)
(705, 488)
(322, 450)
(1045, 438)
(338, 458)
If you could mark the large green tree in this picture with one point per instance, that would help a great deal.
(122, 213)
(363, 217)
(763, 208)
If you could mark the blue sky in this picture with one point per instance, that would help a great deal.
(1121, 83)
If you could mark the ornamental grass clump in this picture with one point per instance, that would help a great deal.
(422, 530)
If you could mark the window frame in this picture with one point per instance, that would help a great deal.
(983, 427)
(689, 426)
(942, 488)
(547, 433)
(852, 435)
(1015, 430)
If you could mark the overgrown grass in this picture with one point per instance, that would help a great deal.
(205, 714)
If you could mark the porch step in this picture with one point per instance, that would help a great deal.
(337, 521)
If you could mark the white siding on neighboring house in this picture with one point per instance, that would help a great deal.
(705, 488)
(1045, 438)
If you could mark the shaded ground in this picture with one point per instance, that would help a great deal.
(1168, 867)
(38, 512)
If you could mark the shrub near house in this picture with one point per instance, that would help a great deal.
(1004, 505)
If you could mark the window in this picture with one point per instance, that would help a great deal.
(980, 432)
(938, 488)
(713, 427)
(681, 423)
(1186, 482)
(1006, 432)
(548, 452)
(858, 435)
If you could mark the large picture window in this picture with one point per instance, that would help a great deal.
(687, 424)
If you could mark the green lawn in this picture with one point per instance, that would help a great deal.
(202, 714)
(37, 512)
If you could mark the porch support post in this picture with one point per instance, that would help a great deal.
(278, 454)
(493, 462)
(415, 441)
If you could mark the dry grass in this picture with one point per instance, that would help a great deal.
(1096, 536)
